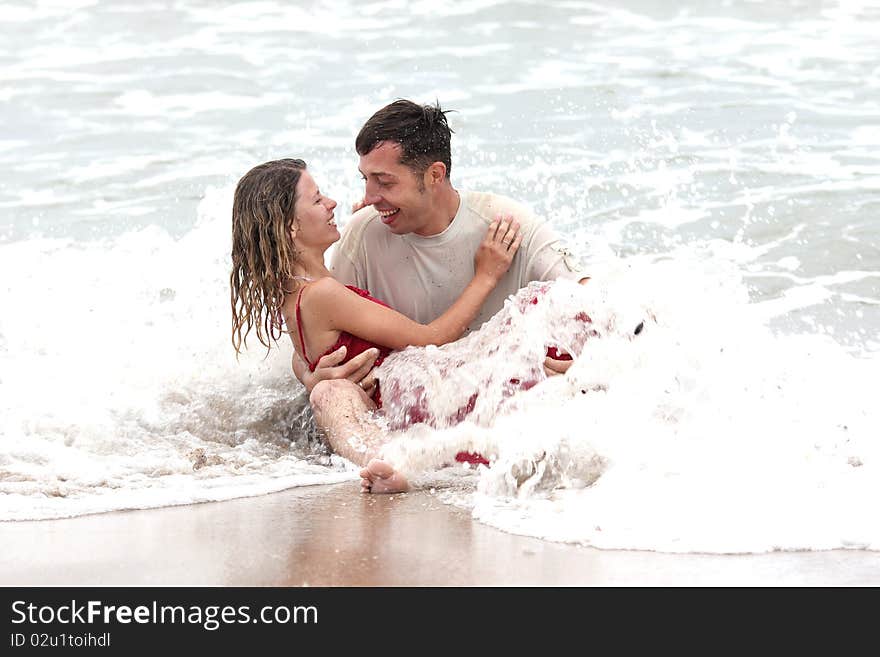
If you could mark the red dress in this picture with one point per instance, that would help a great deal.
(354, 346)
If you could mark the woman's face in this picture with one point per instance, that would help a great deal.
(314, 224)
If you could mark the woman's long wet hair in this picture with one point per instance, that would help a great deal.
(262, 249)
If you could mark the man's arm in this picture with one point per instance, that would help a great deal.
(549, 258)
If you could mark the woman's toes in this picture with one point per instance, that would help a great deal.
(380, 469)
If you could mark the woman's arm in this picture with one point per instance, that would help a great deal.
(338, 308)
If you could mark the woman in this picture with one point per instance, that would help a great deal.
(281, 227)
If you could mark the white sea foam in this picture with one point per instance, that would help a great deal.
(706, 433)
(120, 388)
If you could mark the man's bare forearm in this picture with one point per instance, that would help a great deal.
(328, 367)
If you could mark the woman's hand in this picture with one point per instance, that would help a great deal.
(496, 252)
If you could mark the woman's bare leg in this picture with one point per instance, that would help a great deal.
(342, 410)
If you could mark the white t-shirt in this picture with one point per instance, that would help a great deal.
(422, 276)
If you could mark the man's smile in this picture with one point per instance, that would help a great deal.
(388, 215)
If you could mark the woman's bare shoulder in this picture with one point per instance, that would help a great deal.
(325, 290)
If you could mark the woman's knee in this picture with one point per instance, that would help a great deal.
(325, 392)
(321, 392)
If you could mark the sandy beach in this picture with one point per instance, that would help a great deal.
(334, 536)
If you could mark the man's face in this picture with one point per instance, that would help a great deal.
(396, 192)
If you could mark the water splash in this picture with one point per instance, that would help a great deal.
(708, 432)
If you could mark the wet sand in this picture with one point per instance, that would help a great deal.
(334, 536)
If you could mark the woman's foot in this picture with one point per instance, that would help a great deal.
(379, 477)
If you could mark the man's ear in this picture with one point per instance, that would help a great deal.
(436, 173)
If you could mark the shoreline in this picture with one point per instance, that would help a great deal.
(331, 535)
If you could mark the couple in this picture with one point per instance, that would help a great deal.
(444, 260)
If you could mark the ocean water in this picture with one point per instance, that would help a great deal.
(717, 166)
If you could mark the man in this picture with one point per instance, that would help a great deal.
(412, 242)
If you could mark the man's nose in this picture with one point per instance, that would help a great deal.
(370, 195)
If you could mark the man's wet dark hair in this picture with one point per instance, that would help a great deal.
(421, 130)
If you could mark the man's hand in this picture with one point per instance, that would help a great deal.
(552, 366)
(358, 370)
